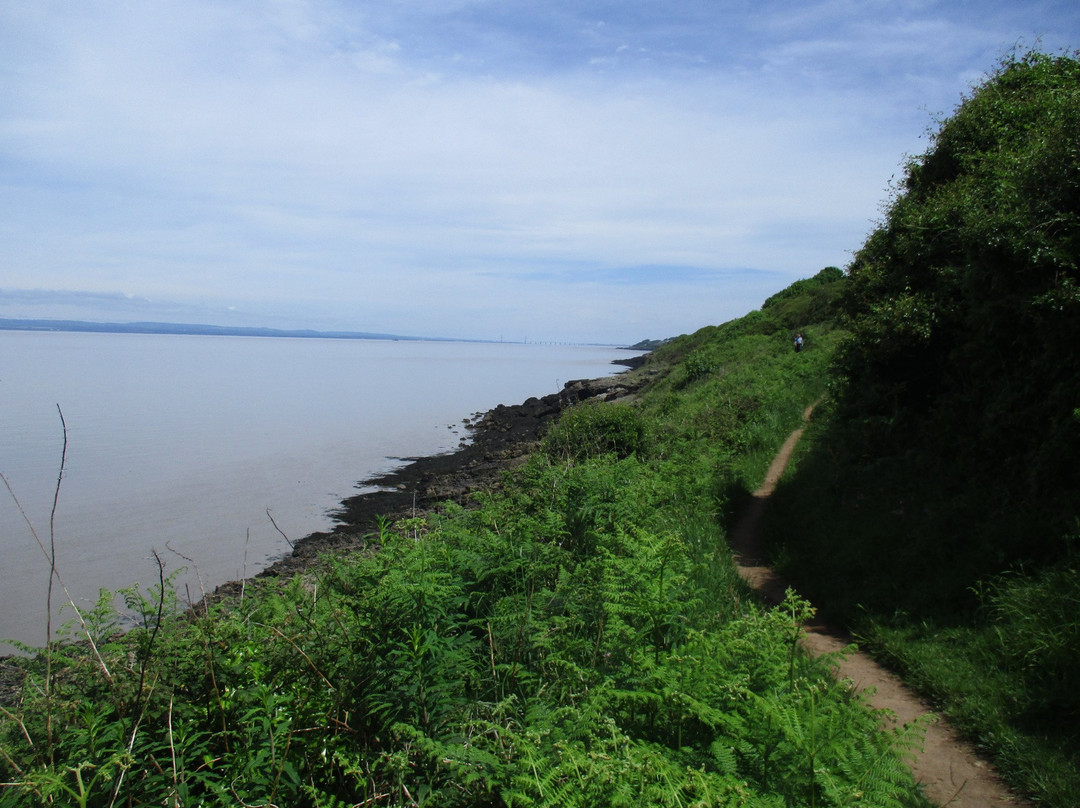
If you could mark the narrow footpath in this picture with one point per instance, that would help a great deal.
(949, 770)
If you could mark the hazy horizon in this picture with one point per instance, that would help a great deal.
(470, 169)
(179, 328)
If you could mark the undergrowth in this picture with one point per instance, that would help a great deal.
(578, 637)
(933, 505)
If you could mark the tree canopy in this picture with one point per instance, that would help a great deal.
(963, 304)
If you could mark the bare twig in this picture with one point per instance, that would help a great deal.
(52, 577)
(242, 804)
(22, 726)
(50, 554)
(491, 650)
(52, 518)
(172, 752)
(278, 529)
(300, 651)
(243, 580)
(157, 622)
(198, 576)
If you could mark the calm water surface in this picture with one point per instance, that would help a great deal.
(181, 444)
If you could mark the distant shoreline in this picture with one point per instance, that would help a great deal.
(200, 329)
(204, 330)
(502, 438)
(272, 479)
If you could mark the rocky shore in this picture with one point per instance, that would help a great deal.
(500, 439)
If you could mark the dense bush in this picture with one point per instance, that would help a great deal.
(964, 304)
(594, 429)
(935, 507)
(698, 365)
(964, 314)
(813, 300)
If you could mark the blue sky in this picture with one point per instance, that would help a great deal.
(572, 171)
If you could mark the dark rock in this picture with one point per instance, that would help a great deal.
(501, 439)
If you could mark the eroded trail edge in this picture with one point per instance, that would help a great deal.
(947, 767)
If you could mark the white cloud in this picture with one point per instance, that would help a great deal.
(423, 164)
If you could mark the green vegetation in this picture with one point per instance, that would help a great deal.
(936, 509)
(580, 636)
(648, 344)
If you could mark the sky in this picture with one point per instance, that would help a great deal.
(561, 171)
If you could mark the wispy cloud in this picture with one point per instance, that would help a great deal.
(674, 275)
(461, 167)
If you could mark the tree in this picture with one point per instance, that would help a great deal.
(964, 304)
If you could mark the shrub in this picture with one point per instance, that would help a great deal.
(698, 365)
(596, 428)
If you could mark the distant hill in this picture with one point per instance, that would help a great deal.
(195, 329)
(201, 329)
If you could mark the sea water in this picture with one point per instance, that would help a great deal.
(206, 450)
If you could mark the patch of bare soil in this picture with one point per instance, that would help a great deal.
(947, 767)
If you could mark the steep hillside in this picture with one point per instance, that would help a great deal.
(937, 509)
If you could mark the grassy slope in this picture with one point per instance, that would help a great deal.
(578, 638)
(934, 507)
(581, 638)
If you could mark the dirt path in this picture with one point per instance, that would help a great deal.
(947, 767)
